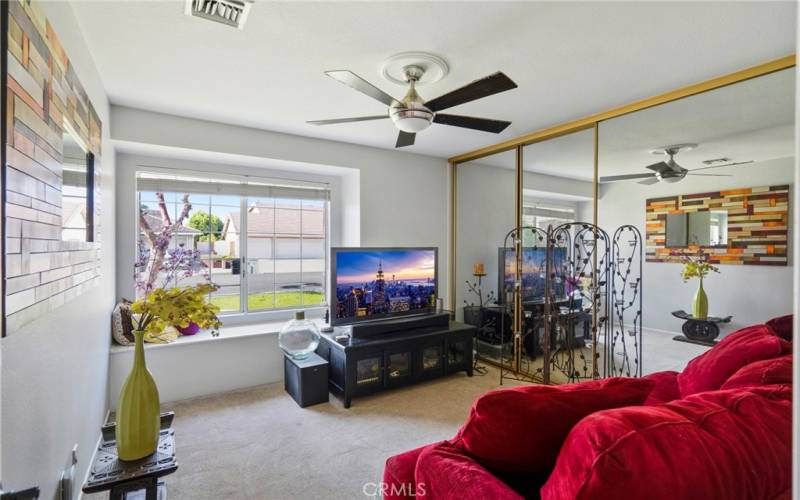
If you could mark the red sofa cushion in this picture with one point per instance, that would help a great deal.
(732, 444)
(782, 326)
(398, 475)
(710, 370)
(444, 472)
(521, 429)
(665, 390)
(764, 372)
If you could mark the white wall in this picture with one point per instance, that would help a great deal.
(55, 370)
(400, 198)
(485, 214)
(242, 356)
(796, 252)
(752, 294)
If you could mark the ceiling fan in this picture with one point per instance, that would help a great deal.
(413, 114)
(669, 170)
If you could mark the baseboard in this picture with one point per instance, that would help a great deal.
(91, 459)
(656, 330)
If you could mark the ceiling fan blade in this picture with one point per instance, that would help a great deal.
(484, 124)
(647, 182)
(489, 85)
(725, 165)
(614, 178)
(405, 139)
(354, 81)
(347, 120)
(659, 167)
(712, 175)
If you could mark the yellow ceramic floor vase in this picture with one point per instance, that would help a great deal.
(138, 412)
(700, 305)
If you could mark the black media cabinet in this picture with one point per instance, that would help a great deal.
(366, 364)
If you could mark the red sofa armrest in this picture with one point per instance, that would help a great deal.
(398, 475)
(444, 472)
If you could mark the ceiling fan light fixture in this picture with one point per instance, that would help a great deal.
(412, 120)
(670, 178)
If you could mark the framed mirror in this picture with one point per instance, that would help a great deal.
(77, 193)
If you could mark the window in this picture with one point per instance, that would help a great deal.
(542, 216)
(264, 245)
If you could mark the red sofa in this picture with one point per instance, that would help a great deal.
(720, 429)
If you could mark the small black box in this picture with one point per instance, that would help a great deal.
(306, 380)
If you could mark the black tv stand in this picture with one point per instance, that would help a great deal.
(393, 357)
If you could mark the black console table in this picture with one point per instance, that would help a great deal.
(108, 472)
(699, 331)
(394, 354)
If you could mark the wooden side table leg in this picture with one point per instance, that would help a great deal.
(151, 491)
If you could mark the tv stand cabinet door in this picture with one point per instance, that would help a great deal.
(399, 366)
(365, 373)
(459, 352)
(431, 359)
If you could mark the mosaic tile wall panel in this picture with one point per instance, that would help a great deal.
(42, 272)
(758, 222)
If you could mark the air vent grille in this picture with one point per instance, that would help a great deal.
(717, 161)
(229, 12)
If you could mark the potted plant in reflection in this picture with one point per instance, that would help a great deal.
(138, 421)
(698, 266)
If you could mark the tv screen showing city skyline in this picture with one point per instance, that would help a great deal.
(378, 282)
(533, 272)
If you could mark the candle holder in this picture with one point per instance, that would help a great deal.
(475, 287)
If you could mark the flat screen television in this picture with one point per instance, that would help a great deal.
(533, 272)
(378, 283)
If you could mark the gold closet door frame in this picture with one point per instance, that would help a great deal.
(588, 122)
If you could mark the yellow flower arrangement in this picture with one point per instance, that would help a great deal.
(176, 307)
(697, 266)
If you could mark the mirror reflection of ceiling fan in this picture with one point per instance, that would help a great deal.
(669, 170)
(413, 114)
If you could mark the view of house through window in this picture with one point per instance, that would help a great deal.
(281, 263)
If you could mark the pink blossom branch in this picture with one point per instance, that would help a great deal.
(160, 242)
(162, 207)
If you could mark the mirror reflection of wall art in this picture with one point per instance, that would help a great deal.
(736, 226)
(51, 189)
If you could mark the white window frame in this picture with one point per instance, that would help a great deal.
(248, 187)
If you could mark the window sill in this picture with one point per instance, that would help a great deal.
(225, 333)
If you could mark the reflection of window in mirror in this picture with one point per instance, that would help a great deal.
(77, 195)
(718, 226)
(676, 230)
(708, 228)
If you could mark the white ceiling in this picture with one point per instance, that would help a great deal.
(569, 59)
(751, 120)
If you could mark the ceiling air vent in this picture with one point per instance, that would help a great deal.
(717, 161)
(231, 12)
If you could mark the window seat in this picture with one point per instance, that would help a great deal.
(197, 365)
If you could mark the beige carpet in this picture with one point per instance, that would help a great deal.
(258, 444)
